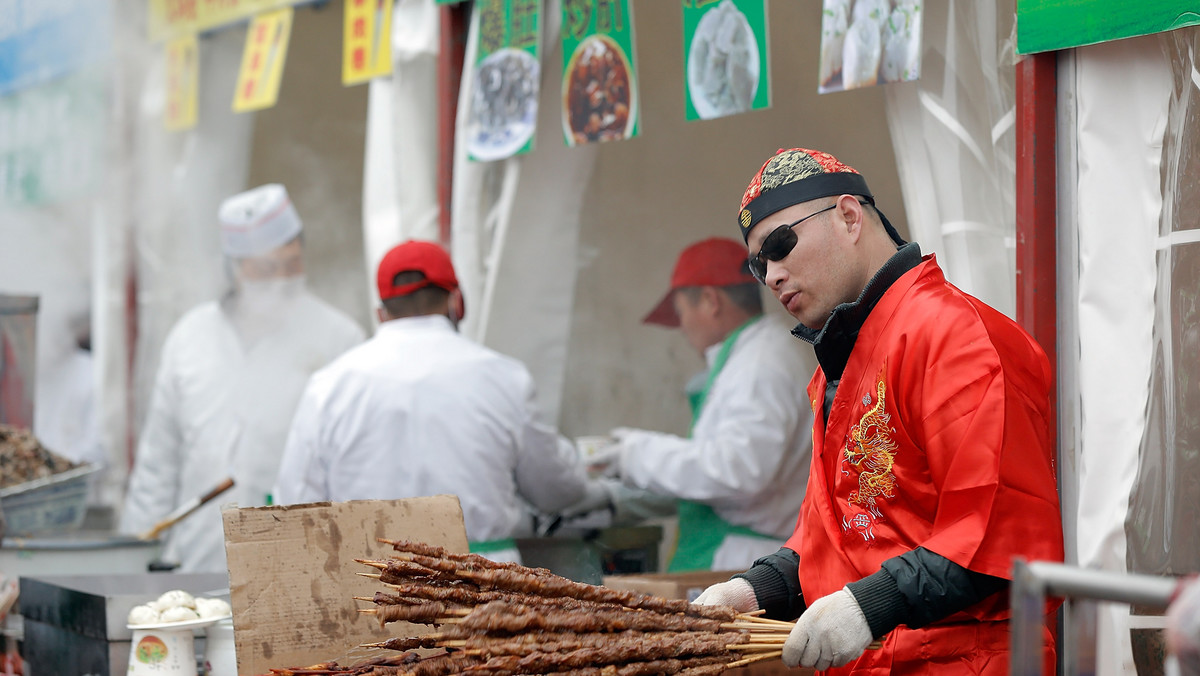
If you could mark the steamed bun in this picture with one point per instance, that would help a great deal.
(209, 608)
(176, 598)
(179, 614)
(144, 615)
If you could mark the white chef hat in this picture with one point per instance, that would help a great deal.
(257, 221)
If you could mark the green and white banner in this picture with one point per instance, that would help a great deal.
(506, 79)
(1044, 25)
(600, 93)
(725, 57)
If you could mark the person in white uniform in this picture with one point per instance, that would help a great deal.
(230, 375)
(420, 410)
(740, 476)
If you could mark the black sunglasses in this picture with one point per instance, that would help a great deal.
(777, 246)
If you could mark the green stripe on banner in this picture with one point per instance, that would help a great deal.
(1044, 25)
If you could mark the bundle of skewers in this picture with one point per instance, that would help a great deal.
(501, 619)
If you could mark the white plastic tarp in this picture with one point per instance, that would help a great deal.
(400, 199)
(1119, 203)
(518, 276)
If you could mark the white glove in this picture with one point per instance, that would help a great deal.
(606, 460)
(736, 593)
(830, 633)
(596, 496)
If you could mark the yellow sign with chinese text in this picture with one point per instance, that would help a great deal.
(182, 83)
(366, 40)
(176, 18)
(262, 61)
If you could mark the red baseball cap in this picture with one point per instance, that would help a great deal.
(717, 261)
(425, 257)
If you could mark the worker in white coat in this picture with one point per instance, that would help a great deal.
(230, 375)
(740, 476)
(419, 410)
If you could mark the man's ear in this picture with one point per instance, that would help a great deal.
(382, 314)
(458, 307)
(851, 211)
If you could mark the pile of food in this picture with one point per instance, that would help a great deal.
(500, 619)
(23, 458)
(178, 606)
(597, 91)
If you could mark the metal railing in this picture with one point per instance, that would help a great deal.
(1034, 581)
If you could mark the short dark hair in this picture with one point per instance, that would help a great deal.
(429, 300)
(745, 296)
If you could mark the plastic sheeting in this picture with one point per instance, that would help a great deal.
(1119, 134)
(400, 198)
(518, 278)
(954, 139)
(1161, 526)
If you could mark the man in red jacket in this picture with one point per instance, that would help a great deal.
(932, 454)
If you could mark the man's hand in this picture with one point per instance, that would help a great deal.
(830, 633)
(606, 460)
(597, 496)
(736, 593)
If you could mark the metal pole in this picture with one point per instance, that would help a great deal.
(1027, 600)
(1033, 582)
(1140, 590)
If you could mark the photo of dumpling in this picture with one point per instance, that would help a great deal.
(868, 42)
(723, 63)
(834, 22)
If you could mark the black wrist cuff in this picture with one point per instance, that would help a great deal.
(771, 591)
(881, 601)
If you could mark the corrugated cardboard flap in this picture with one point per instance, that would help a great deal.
(292, 574)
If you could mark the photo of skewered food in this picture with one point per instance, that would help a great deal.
(494, 619)
(598, 93)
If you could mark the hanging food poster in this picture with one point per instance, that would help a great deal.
(599, 91)
(725, 57)
(506, 79)
(869, 42)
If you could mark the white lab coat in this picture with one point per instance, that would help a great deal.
(419, 410)
(749, 454)
(220, 408)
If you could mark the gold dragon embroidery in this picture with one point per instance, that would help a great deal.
(871, 450)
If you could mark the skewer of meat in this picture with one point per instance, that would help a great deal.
(473, 596)
(654, 645)
(513, 580)
(511, 618)
(695, 666)
(472, 560)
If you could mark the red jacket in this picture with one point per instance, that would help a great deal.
(939, 437)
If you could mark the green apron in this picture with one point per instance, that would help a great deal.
(701, 531)
(484, 547)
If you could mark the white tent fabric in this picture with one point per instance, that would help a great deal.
(954, 140)
(400, 198)
(518, 277)
(1120, 134)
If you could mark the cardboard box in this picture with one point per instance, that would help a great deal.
(689, 586)
(292, 574)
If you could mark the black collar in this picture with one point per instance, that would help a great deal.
(835, 340)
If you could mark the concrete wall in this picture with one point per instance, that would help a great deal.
(682, 181)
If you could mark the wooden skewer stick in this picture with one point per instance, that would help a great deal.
(374, 564)
(751, 647)
(369, 599)
(453, 644)
(373, 576)
(755, 658)
(763, 620)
